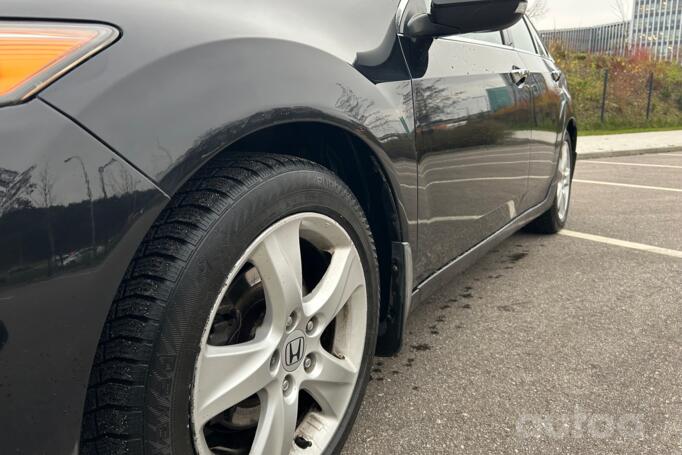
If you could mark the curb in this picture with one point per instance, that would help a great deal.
(615, 153)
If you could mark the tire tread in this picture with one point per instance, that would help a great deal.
(115, 403)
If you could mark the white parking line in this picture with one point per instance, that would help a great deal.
(631, 164)
(623, 243)
(672, 154)
(627, 185)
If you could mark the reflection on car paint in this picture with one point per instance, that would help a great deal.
(41, 234)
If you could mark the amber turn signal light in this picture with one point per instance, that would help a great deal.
(34, 54)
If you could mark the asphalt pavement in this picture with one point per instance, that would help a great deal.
(551, 344)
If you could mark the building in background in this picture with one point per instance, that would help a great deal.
(656, 26)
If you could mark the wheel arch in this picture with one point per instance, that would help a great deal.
(167, 128)
(362, 166)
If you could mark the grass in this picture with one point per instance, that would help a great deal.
(608, 132)
(627, 93)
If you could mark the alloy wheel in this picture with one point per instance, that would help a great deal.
(563, 195)
(282, 350)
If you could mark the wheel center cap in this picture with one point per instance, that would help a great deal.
(294, 350)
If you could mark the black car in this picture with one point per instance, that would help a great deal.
(213, 214)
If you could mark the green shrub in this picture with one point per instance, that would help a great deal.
(627, 93)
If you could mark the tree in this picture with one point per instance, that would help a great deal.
(15, 189)
(537, 9)
(44, 198)
(621, 9)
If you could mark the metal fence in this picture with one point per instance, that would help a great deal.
(601, 39)
(622, 98)
(657, 26)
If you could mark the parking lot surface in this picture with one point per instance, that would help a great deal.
(558, 344)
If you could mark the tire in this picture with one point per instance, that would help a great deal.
(554, 219)
(145, 383)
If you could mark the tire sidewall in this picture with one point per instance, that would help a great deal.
(168, 427)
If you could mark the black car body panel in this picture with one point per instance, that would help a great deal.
(473, 128)
(201, 78)
(86, 167)
(65, 242)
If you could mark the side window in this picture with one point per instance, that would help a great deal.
(542, 50)
(520, 38)
(492, 37)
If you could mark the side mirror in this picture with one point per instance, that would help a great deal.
(452, 17)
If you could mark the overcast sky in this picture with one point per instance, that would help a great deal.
(578, 13)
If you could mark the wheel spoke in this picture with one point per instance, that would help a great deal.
(564, 185)
(277, 424)
(229, 374)
(278, 260)
(343, 277)
(331, 383)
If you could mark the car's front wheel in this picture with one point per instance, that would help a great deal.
(247, 321)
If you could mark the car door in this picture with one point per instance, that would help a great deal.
(473, 128)
(545, 83)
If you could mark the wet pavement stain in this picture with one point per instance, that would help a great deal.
(516, 257)
(4, 335)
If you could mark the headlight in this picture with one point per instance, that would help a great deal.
(34, 54)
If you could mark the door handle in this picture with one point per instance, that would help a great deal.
(519, 75)
(556, 75)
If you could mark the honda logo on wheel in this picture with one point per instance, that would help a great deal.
(293, 352)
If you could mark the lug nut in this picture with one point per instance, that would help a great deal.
(308, 363)
(310, 326)
(290, 320)
(285, 385)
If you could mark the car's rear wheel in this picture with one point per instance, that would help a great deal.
(247, 321)
(554, 219)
